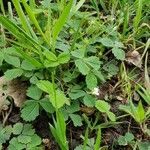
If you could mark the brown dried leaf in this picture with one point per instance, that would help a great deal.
(133, 57)
(15, 89)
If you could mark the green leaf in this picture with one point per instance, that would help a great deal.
(13, 73)
(63, 58)
(45, 86)
(141, 112)
(12, 60)
(50, 56)
(35, 141)
(1, 58)
(24, 139)
(30, 111)
(93, 61)
(77, 120)
(34, 92)
(82, 66)
(5, 133)
(15, 145)
(122, 141)
(91, 81)
(61, 21)
(60, 100)
(129, 137)
(89, 100)
(17, 128)
(106, 42)
(78, 53)
(26, 65)
(111, 116)
(28, 130)
(118, 53)
(102, 106)
(46, 105)
(76, 94)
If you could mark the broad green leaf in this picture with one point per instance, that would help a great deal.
(111, 116)
(82, 66)
(24, 139)
(118, 53)
(26, 65)
(93, 61)
(102, 106)
(17, 128)
(78, 53)
(48, 63)
(61, 21)
(34, 92)
(51, 61)
(30, 111)
(89, 100)
(129, 137)
(35, 141)
(60, 100)
(46, 105)
(15, 145)
(91, 81)
(45, 86)
(106, 42)
(28, 130)
(122, 141)
(50, 56)
(77, 120)
(76, 94)
(63, 58)
(13, 73)
(12, 60)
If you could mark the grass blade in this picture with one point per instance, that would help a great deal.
(61, 21)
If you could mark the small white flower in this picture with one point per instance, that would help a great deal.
(95, 91)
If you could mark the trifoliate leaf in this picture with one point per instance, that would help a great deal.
(91, 81)
(77, 120)
(82, 66)
(118, 53)
(34, 92)
(17, 128)
(13, 73)
(30, 111)
(24, 139)
(63, 58)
